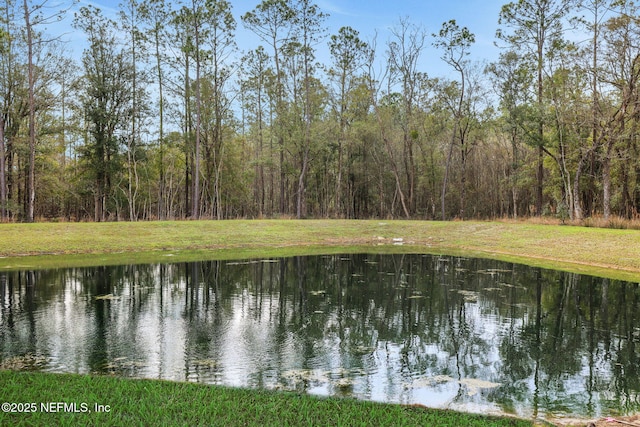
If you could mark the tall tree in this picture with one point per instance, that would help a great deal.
(511, 79)
(622, 72)
(536, 28)
(156, 14)
(6, 72)
(106, 101)
(272, 20)
(131, 19)
(405, 48)
(15, 111)
(31, 191)
(33, 17)
(599, 10)
(309, 31)
(565, 90)
(3, 175)
(374, 85)
(348, 53)
(182, 39)
(220, 44)
(254, 89)
(197, 15)
(455, 43)
(192, 21)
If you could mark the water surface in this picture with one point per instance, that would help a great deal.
(448, 332)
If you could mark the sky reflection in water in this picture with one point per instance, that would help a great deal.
(459, 333)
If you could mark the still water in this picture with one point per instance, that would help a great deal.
(459, 333)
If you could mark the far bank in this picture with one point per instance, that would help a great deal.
(607, 252)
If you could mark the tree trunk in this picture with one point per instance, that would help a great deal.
(3, 180)
(188, 131)
(161, 189)
(606, 183)
(409, 166)
(394, 166)
(282, 174)
(31, 190)
(463, 182)
(540, 171)
(578, 213)
(195, 197)
(540, 180)
(134, 126)
(301, 185)
(218, 164)
(446, 171)
(514, 173)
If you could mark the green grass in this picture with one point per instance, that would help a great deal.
(163, 403)
(607, 252)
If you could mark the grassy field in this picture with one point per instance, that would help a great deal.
(606, 252)
(161, 403)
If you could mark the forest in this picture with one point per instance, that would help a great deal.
(164, 117)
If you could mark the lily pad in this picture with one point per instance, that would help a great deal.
(107, 297)
(205, 363)
(469, 296)
(430, 381)
(474, 385)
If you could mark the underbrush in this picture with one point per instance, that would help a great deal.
(618, 223)
(615, 222)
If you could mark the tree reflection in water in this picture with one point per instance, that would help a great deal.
(461, 333)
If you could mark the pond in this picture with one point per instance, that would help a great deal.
(448, 332)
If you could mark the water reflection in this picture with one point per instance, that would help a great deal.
(459, 333)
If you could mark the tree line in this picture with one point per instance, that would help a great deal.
(163, 117)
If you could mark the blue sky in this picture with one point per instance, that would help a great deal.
(370, 17)
(480, 16)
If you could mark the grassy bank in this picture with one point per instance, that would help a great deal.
(162, 403)
(609, 252)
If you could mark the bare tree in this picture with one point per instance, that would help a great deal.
(35, 15)
(455, 42)
(405, 48)
(374, 81)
